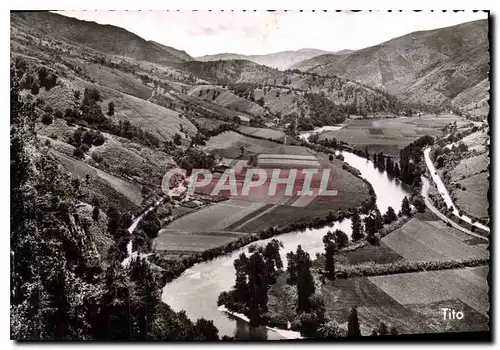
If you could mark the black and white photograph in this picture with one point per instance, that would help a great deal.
(257, 175)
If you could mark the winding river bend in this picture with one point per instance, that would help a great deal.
(197, 289)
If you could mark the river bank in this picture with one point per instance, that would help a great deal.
(197, 288)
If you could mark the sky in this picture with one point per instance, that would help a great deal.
(202, 32)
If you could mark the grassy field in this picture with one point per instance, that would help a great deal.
(434, 286)
(474, 199)
(116, 191)
(161, 121)
(390, 135)
(176, 241)
(226, 98)
(265, 133)
(118, 80)
(419, 240)
(119, 155)
(470, 166)
(217, 216)
(229, 145)
(378, 254)
(373, 304)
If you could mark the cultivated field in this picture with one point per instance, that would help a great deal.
(264, 133)
(118, 80)
(432, 240)
(392, 134)
(228, 144)
(373, 305)
(474, 199)
(470, 166)
(434, 286)
(216, 217)
(175, 241)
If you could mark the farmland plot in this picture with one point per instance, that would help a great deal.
(474, 199)
(190, 241)
(262, 132)
(373, 305)
(216, 217)
(391, 134)
(229, 145)
(434, 286)
(471, 166)
(420, 240)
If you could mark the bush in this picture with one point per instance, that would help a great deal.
(35, 88)
(58, 114)
(111, 108)
(96, 157)
(47, 119)
(78, 153)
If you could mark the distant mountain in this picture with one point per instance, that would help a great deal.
(105, 38)
(279, 60)
(431, 67)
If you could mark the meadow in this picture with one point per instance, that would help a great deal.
(391, 134)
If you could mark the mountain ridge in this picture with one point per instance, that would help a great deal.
(432, 66)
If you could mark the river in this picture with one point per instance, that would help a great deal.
(197, 289)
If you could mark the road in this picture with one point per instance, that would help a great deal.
(428, 203)
(174, 192)
(444, 192)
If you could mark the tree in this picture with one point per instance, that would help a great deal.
(353, 324)
(382, 329)
(35, 88)
(357, 227)
(177, 139)
(393, 331)
(261, 101)
(341, 239)
(367, 154)
(242, 150)
(47, 119)
(329, 260)
(111, 108)
(78, 153)
(95, 214)
(390, 216)
(405, 207)
(419, 203)
(299, 265)
(330, 157)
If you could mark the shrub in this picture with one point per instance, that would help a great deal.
(78, 153)
(111, 108)
(47, 119)
(84, 147)
(35, 88)
(96, 157)
(58, 114)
